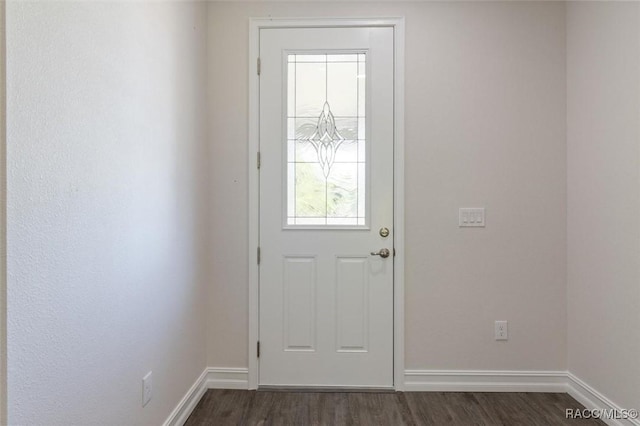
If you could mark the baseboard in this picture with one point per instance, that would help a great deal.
(428, 381)
(185, 407)
(484, 381)
(227, 378)
(211, 378)
(592, 399)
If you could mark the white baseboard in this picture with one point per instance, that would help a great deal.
(211, 378)
(185, 407)
(228, 378)
(591, 398)
(428, 381)
(484, 381)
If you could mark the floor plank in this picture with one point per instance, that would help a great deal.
(222, 407)
(265, 408)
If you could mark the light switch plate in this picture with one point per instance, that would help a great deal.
(471, 217)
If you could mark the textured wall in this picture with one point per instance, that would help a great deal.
(603, 145)
(106, 114)
(485, 126)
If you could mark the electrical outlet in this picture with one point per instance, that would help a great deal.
(502, 330)
(147, 388)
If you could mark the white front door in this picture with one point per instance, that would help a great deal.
(326, 206)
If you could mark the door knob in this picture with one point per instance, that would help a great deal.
(383, 253)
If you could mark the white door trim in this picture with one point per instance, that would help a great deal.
(255, 24)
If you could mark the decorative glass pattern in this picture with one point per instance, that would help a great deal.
(326, 149)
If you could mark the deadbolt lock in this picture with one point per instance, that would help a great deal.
(384, 232)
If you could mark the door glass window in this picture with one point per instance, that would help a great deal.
(326, 149)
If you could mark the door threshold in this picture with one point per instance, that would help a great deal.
(328, 389)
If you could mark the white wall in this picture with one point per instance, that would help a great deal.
(485, 126)
(106, 141)
(3, 223)
(106, 162)
(603, 137)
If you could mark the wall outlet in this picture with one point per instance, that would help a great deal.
(147, 388)
(502, 330)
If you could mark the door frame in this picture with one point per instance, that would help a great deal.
(255, 25)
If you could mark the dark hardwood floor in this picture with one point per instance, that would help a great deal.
(237, 407)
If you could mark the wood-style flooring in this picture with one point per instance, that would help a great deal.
(238, 407)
